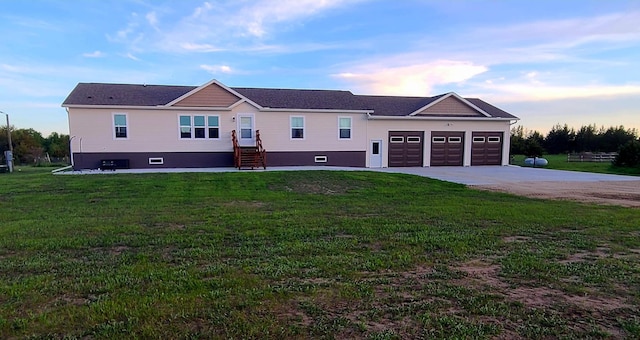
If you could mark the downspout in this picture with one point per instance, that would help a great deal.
(71, 150)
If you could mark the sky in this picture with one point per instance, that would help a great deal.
(574, 62)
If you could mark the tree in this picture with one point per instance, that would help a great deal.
(517, 140)
(586, 139)
(57, 145)
(615, 137)
(27, 145)
(4, 145)
(559, 140)
(533, 145)
(629, 155)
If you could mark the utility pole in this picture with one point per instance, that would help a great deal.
(9, 155)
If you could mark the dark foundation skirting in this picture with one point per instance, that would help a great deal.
(146, 160)
(306, 158)
(141, 160)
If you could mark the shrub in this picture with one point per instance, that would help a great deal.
(628, 155)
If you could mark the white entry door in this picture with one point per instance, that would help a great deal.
(247, 133)
(375, 154)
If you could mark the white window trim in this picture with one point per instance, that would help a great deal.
(253, 127)
(439, 140)
(304, 128)
(478, 139)
(180, 126)
(113, 125)
(350, 127)
(156, 160)
(208, 127)
(493, 139)
(193, 127)
(320, 159)
(396, 139)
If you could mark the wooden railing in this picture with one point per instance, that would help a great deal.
(236, 150)
(248, 156)
(261, 152)
(600, 157)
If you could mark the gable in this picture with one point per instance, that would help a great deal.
(450, 106)
(212, 95)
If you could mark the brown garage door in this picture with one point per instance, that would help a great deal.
(486, 148)
(447, 148)
(405, 148)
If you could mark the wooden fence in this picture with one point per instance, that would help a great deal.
(592, 157)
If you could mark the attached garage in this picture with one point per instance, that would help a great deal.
(405, 148)
(486, 148)
(447, 148)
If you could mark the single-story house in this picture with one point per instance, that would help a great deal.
(161, 126)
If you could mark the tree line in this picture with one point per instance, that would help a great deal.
(561, 139)
(30, 147)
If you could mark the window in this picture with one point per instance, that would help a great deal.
(120, 125)
(478, 139)
(213, 123)
(156, 161)
(494, 139)
(396, 139)
(413, 139)
(297, 127)
(320, 159)
(185, 126)
(438, 140)
(455, 140)
(246, 127)
(199, 127)
(344, 124)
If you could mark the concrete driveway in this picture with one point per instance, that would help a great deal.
(494, 175)
(540, 183)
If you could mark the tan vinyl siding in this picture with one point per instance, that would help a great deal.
(147, 131)
(450, 106)
(321, 131)
(210, 96)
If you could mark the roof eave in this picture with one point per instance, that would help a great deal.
(147, 107)
(373, 117)
(271, 109)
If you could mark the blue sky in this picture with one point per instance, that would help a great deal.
(571, 61)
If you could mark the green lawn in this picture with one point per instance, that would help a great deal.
(308, 255)
(559, 162)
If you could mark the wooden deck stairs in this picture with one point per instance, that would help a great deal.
(248, 156)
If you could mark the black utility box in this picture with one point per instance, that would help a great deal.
(112, 164)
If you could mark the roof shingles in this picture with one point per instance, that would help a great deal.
(100, 94)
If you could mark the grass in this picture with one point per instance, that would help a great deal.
(307, 255)
(559, 162)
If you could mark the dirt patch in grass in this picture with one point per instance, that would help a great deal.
(517, 238)
(118, 250)
(414, 303)
(623, 193)
(245, 204)
(323, 185)
(483, 274)
(315, 188)
(598, 253)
